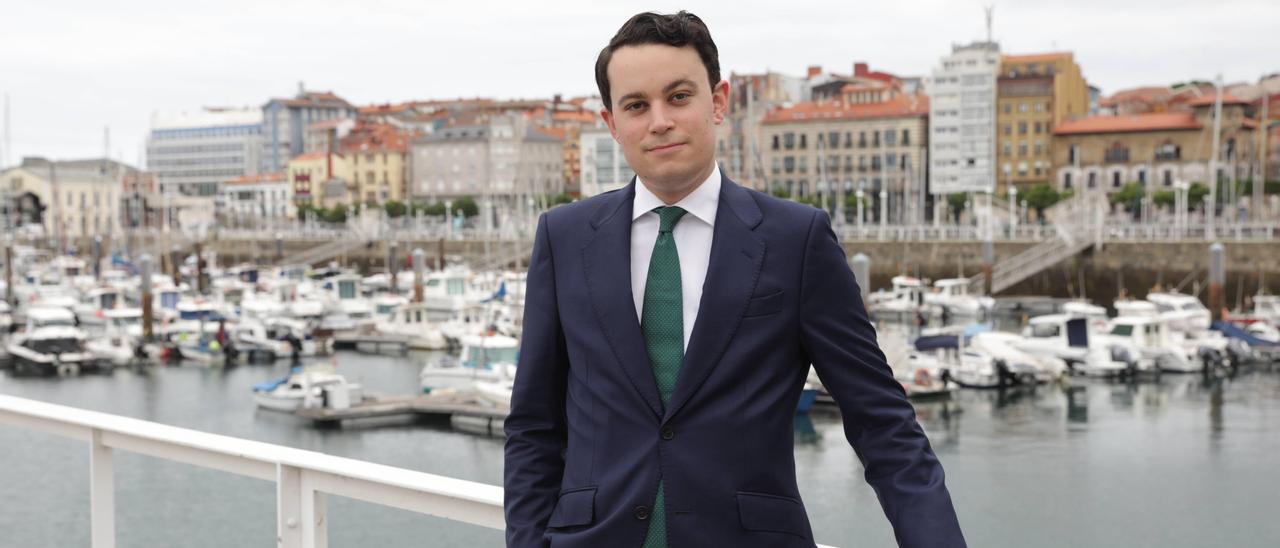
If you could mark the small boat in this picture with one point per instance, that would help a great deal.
(51, 343)
(307, 389)
(484, 358)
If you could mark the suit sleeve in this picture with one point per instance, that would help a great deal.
(879, 422)
(536, 432)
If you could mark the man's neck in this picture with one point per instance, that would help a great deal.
(672, 198)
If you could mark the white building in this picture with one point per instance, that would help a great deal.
(191, 152)
(69, 198)
(962, 120)
(245, 201)
(603, 165)
(506, 159)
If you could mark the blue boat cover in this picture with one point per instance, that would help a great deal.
(934, 342)
(1234, 331)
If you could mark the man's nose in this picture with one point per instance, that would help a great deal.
(660, 119)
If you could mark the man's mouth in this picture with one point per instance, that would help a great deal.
(666, 148)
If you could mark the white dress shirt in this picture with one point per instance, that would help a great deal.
(693, 243)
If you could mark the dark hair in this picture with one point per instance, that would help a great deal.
(678, 30)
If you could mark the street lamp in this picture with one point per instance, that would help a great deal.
(1013, 209)
(859, 194)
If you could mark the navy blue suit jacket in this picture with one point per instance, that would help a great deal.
(588, 438)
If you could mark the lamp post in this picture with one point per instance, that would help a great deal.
(1013, 209)
(859, 194)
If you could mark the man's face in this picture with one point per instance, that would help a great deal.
(664, 115)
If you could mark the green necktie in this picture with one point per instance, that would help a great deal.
(662, 320)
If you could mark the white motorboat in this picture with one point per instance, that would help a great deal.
(906, 299)
(484, 358)
(412, 320)
(1141, 332)
(1074, 340)
(952, 295)
(308, 389)
(51, 343)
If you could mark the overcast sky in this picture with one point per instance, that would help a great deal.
(72, 68)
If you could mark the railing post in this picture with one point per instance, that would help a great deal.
(315, 512)
(288, 506)
(102, 505)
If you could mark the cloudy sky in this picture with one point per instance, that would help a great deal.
(71, 68)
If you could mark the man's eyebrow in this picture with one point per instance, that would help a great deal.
(673, 85)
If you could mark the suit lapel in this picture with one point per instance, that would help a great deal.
(607, 260)
(737, 254)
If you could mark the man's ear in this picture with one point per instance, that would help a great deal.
(720, 101)
(608, 120)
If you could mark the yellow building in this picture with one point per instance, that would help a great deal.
(1035, 93)
(378, 156)
(320, 179)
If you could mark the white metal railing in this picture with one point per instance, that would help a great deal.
(303, 478)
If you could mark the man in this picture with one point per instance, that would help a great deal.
(669, 328)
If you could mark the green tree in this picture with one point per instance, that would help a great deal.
(1129, 196)
(1164, 198)
(1041, 197)
(395, 209)
(955, 202)
(561, 198)
(1195, 195)
(466, 206)
(780, 191)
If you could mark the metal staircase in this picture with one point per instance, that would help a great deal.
(328, 250)
(1076, 223)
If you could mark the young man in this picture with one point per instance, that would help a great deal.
(669, 328)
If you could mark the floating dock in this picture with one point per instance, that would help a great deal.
(375, 343)
(464, 411)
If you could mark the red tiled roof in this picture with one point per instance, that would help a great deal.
(263, 178)
(900, 107)
(369, 136)
(1145, 94)
(310, 156)
(1164, 121)
(1208, 99)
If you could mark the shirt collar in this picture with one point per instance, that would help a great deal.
(701, 203)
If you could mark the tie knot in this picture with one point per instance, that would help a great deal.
(668, 217)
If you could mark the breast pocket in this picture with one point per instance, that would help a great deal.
(764, 305)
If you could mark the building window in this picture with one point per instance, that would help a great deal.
(1073, 153)
(1039, 147)
(1117, 153)
(1040, 107)
(848, 139)
(862, 139)
(1008, 150)
(1115, 179)
(775, 142)
(1008, 129)
(789, 164)
(1168, 152)
(1066, 180)
(875, 138)
(1093, 180)
(1022, 128)
(1022, 107)
(1008, 108)
(803, 141)
(906, 137)
(890, 138)
(803, 164)
(789, 140)
(1022, 148)
(1037, 128)
(1168, 177)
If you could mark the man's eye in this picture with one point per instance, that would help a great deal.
(680, 96)
(633, 106)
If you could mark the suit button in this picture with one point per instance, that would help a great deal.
(667, 433)
(642, 513)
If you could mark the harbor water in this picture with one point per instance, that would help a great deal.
(1182, 461)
